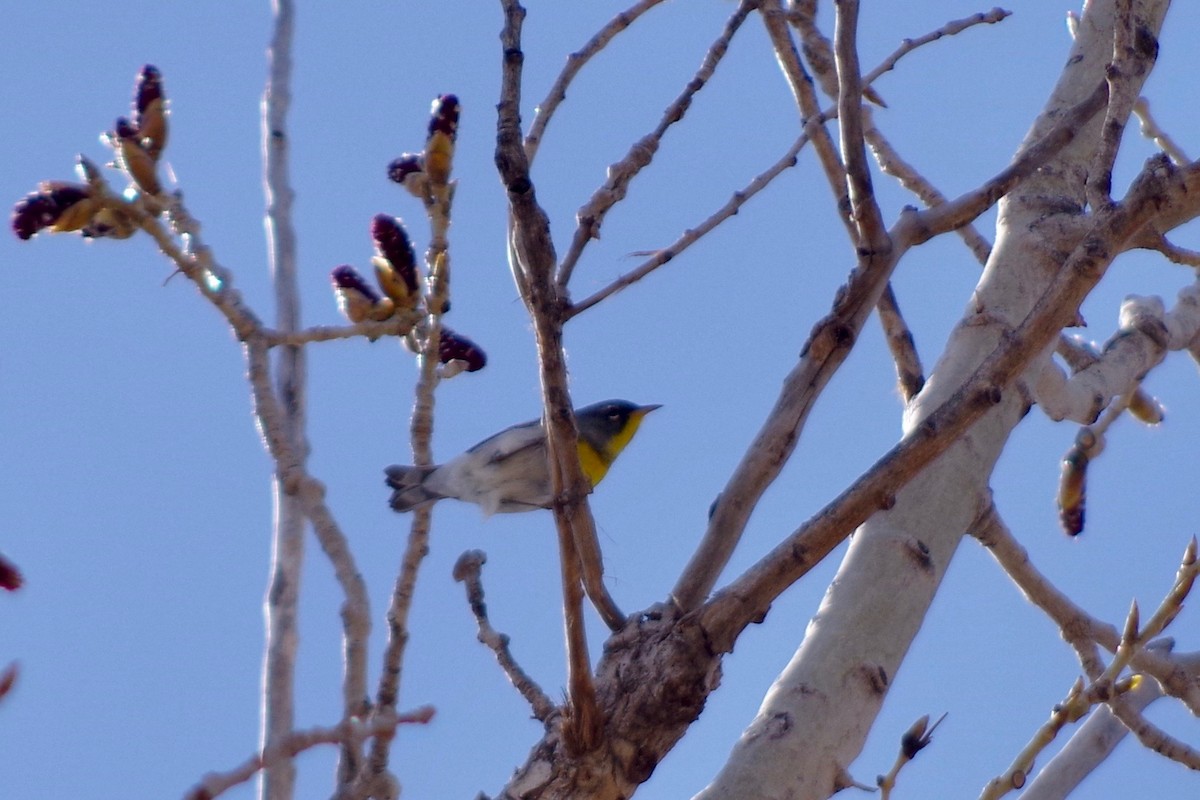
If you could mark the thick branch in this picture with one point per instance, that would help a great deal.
(829, 344)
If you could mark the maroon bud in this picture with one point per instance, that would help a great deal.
(42, 209)
(347, 277)
(146, 89)
(393, 244)
(404, 166)
(445, 116)
(456, 347)
(8, 676)
(124, 129)
(10, 576)
(32, 213)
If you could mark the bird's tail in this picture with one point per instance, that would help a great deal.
(408, 487)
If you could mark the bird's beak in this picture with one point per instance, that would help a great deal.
(644, 410)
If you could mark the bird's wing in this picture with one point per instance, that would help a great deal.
(509, 442)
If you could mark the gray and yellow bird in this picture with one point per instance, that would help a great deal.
(508, 472)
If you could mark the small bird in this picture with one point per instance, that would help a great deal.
(508, 472)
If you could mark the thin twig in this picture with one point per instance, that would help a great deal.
(397, 325)
(1151, 130)
(864, 209)
(692, 235)
(811, 118)
(949, 29)
(591, 216)
(469, 570)
(575, 62)
(1079, 629)
(909, 373)
(1075, 706)
(373, 778)
(1088, 747)
(349, 732)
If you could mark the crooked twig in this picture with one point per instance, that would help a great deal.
(469, 570)
(1151, 130)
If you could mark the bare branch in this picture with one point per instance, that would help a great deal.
(811, 119)
(372, 778)
(751, 594)
(1087, 748)
(1079, 629)
(1134, 50)
(532, 259)
(575, 62)
(692, 235)
(949, 29)
(826, 349)
(347, 733)
(1153, 737)
(900, 342)
(398, 325)
(469, 570)
(591, 216)
(1151, 130)
(864, 210)
(1151, 240)
(287, 550)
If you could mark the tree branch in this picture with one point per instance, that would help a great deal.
(591, 216)
(469, 570)
(347, 733)
(287, 550)
(826, 349)
(575, 62)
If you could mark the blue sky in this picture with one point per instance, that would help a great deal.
(135, 492)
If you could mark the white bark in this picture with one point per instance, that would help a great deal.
(815, 718)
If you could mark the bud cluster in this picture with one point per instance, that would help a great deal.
(422, 172)
(60, 207)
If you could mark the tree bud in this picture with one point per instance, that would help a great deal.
(57, 206)
(149, 116)
(456, 347)
(409, 171)
(355, 297)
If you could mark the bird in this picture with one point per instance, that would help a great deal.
(508, 472)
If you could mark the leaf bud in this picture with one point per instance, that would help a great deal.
(150, 110)
(1072, 491)
(439, 147)
(409, 171)
(57, 205)
(355, 297)
(396, 264)
(456, 347)
(133, 158)
(10, 576)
